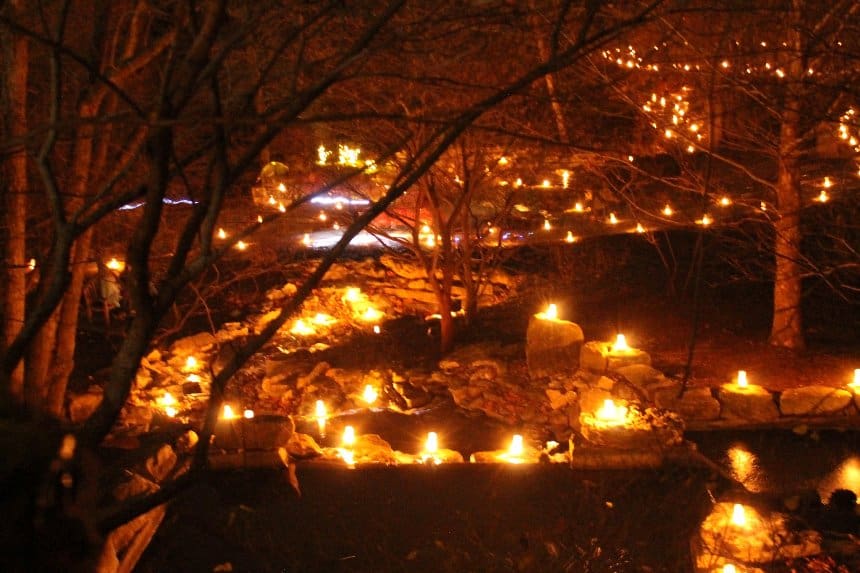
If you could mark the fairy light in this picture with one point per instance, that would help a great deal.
(667, 210)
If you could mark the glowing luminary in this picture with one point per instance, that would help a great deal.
(371, 315)
(321, 415)
(725, 201)
(613, 220)
(241, 245)
(376, 329)
(739, 516)
(431, 445)
(112, 264)
(578, 207)
(742, 379)
(551, 313)
(323, 217)
(191, 363)
(227, 413)
(195, 378)
(547, 225)
(667, 211)
(353, 294)
(565, 178)
(823, 197)
(569, 238)
(856, 382)
(323, 319)
(259, 219)
(705, 220)
(348, 439)
(516, 448)
(611, 414)
(248, 414)
(370, 394)
(306, 240)
(301, 328)
(222, 234)
(620, 344)
(827, 184)
(545, 184)
(640, 228)
(167, 400)
(170, 411)
(729, 568)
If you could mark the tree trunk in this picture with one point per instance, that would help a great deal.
(787, 326)
(15, 63)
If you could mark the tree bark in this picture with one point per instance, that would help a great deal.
(15, 63)
(787, 325)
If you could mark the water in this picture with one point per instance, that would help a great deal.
(776, 462)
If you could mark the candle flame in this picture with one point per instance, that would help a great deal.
(167, 400)
(352, 294)
(241, 245)
(371, 315)
(613, 220)
(112, 264)
(570, 238)
(551, 312)
(742, 379)
(739, 516)
(612, 413)
(191, 363)
(248, 414)
(667, 210)
(729, 568)
(823, 197)
(620, 344)
(370, 394)
(856, 382)
(516, 448)
(222, 234)
(578, 207)
(301, 328)
(170, 411)
(546, 225)
(431, 446)
(227, 413)
(348, 436)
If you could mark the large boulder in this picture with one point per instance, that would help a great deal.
(597, 356)
(552, 346)
(753, 403)
(402, 268)
(194, 344)
(813, 400)
(694, 404)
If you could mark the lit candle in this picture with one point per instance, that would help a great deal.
(241, 245)
(191, 363)
(320, 412)
(570, 238)
(376, 329)
(742, 379)
(170, 411)
(248, 414)
(546, 225)
(222, 234)
(729, 568)
(431, 446)
(113, 265)
(611, 413)
(352, 294)
(667, 210)
(613, 220)
(739, 516)
(620, 344)
(348, 439)
(551, 312)
(856, 382)
(370, 394)
(578, 207)
(516, 448)
(227, 413)
(371, 315)
(640, 228)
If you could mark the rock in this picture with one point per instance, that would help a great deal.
(81, 406)
(161, 464)
(274, 387)
(558, 399)
(812, 400)
(313, 375)
(419, 284)
(194, 344)
(591, 399)
(402, 268)
(605, 383)
(552, 346)
(641, 375)
(135, 485)
(421, 296)
(597, 357)
(695, 404)
(259, 433)
(465, 394)
(303, 446)
(448, 365)
(753, 403)
(764, 539)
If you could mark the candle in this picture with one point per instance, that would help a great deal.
(742, 379)
(320, 412)
(516, 447)
(551, 312)
(856, 382)
(227, 413)
(620, 344)
(739, 516)
(431, 446)
(248, 414)
(348, 439)
(611, 413)
(370, 394)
